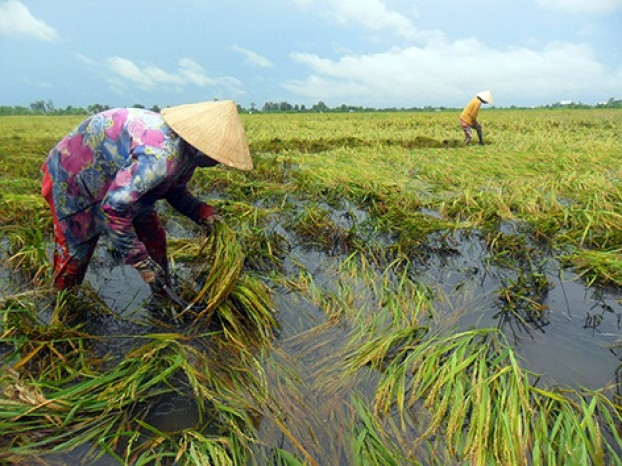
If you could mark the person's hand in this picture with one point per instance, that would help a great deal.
(208, 218)
(152, 273)
(210, 223)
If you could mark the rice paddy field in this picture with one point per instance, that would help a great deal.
(377, 294)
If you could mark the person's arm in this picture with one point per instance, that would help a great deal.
(146, 170)
(184, 202)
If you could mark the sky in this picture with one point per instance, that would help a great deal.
(371, 53)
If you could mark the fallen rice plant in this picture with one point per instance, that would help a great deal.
(399, 385)
(470, 388)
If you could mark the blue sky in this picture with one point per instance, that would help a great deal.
(379, 53)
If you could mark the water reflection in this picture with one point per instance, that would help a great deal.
(561, 328)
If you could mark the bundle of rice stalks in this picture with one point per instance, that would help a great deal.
(53, 350)
(470, 388)
(217, 287)
(72, 397)
(108, 410)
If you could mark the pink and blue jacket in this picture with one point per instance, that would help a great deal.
(113, 168)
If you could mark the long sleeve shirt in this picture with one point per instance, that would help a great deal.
(469, 114)
(111, 168)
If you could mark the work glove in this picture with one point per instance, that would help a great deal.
(153, 274)
(208, 217)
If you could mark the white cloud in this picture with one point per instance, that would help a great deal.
(428, 68)
(150, 77)
(446, 73)
(194, 73)
(16, 20)
(85, 59)
(159, 76)
(252, 57)
(371, 15)
(126, 69)
(582, 6)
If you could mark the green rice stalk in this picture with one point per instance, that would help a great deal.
(598, 266)
(369, 444)
(477, 395)
(219, 269)
(95, 409)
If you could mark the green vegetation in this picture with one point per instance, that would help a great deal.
(41, 107)
(313, 339)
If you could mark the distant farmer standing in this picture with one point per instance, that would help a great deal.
(106, 175)
(468, 118)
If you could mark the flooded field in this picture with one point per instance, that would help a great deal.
(377, 294)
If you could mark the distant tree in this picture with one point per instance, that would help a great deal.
(97, 108)
(270, 107)
(69, 110)
(155, 108)
(38, 106)
(320, 107)
(138, 106)
(611, 103)
(6, 110)
(285, 107)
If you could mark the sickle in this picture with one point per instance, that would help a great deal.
(179, 300)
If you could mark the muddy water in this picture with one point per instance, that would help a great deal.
(567, 346)
(569, 343)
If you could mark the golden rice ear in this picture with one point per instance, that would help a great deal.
(215, 128)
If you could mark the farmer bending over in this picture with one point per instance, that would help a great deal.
(468, 118)
(106, 175)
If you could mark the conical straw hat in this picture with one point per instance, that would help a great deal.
(486, 96)
(215, 128)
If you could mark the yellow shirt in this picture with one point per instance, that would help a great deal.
(469, 114)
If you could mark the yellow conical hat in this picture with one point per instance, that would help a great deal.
(215, 128)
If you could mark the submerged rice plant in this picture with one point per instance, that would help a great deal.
(108, 409)
(467, 394)
(76, 398)
(320, 331)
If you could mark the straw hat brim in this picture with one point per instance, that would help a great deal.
(485, 96)
(214, 128)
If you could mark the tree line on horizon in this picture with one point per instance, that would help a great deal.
(41, 107)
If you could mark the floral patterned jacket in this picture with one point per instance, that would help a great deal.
(112, 168)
